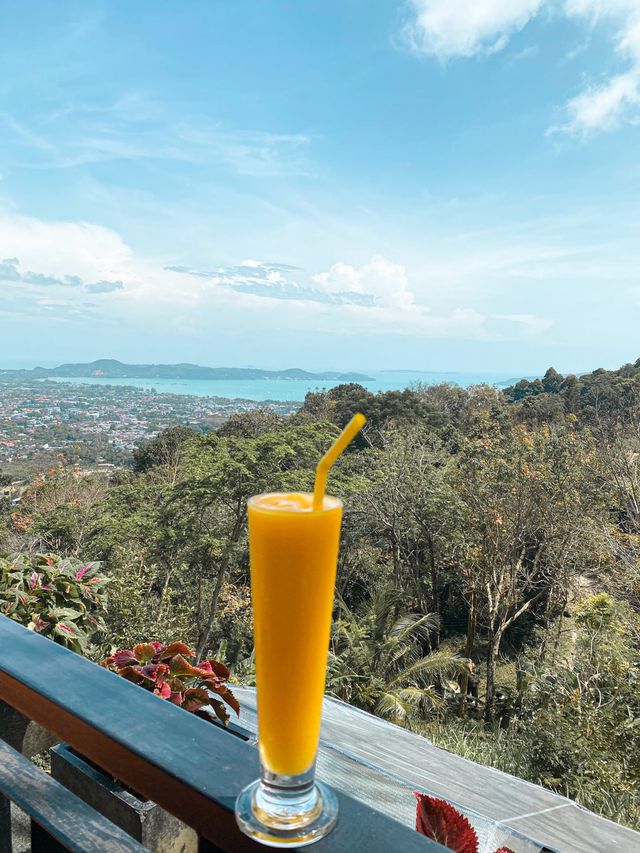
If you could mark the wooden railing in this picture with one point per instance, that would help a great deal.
(191, 768)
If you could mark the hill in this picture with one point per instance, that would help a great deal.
(110, 368)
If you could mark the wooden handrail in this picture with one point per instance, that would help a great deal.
(188, 766)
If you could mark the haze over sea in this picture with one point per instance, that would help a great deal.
(291, 390)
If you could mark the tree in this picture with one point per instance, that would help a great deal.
(552, 381)
(165, 449)
(410, 512)
(532, 523)
(377, 659)
(203, 520)
(382, 410)
(251, 424)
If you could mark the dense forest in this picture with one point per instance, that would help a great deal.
(489, 579)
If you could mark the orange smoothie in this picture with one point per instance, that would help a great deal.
(293, 553)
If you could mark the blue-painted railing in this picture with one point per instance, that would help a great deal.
(193, 769)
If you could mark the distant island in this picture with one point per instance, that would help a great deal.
(110, 368)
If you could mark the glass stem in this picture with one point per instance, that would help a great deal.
(283, 801)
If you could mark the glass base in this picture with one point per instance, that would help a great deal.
(286, 816)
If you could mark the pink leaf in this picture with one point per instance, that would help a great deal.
(162, 689)
(124, 657)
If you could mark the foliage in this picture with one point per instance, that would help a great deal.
(166, 672)
(145, 601)
(574, 721)
(377, 659)
(603, 397)
(57, 509)
(60, 598)
(382, 410)
(190, 521)
(532, 520)
(251, 424)
(164, 449)
(440, 821)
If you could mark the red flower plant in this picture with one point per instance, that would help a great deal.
(440, 821)
(166, 671)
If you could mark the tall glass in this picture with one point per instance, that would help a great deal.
(293, 554)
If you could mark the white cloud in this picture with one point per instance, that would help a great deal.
(606, 105)
(64, 249)
(459, 28)
(450, 29)
(382, 280)
(603, 107)
(51, 267)
(273, 281)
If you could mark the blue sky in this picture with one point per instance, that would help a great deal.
(429, 184)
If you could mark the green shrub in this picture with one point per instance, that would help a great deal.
(60, 598)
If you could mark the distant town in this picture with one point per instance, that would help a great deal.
(46, 424)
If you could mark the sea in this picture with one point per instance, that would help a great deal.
(293, 390)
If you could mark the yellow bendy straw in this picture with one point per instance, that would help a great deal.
(339, 445)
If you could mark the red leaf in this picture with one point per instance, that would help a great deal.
(144, 652)
(176, 649)
(440, 821)
(131, 673)
(223, 691)
(180, 666)
(162, 689)
(159, 648)
(195, 698)
(216, 668)
(153, 671)
(124, 657)
(504, 850)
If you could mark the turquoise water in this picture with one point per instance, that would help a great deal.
(287, 389)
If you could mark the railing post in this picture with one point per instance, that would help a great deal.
(42, 842)
(5, 825)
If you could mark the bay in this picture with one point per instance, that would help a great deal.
(290, 390)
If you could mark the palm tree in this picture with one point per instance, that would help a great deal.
(378, 663)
